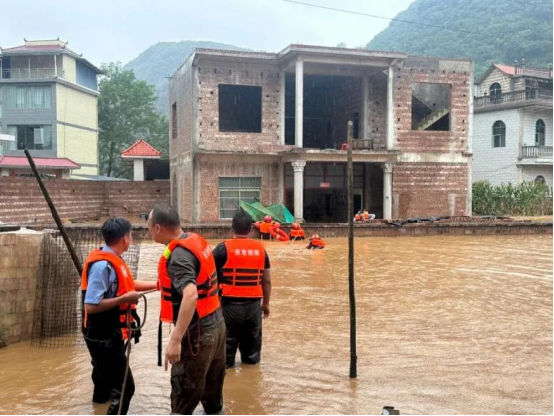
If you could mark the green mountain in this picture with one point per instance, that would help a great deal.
(161, 60)
(486, 30)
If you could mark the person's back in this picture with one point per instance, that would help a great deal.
(245, 284)
(188, 279)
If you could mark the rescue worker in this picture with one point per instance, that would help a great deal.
(296, 232)
(108, 289)
(316, 243)
(367, 216)
(244, 278)
(188, 280)
(266, 227)
(358, 217)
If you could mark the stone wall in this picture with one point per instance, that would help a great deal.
(22, 201)
(19, 257)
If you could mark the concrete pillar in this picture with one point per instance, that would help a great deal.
(364, 133)
(519, 173)
(298, 167)
(299, 104)
(281, 197)
(390, 110)
(282, 107)
(55, 65)
(138, 170)
(387, 190)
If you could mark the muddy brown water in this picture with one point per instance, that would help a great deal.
(446, 325)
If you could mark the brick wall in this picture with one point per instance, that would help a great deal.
(210, 75)
(423, 70)
(377, 110)
(428, 189)
(22, 201)
(19, 256)
(208, 186)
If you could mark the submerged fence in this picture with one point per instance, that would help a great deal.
(57, 314)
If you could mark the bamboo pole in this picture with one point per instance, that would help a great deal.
(55, 215)
(351, 294)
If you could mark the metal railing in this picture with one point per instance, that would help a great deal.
(32, 73)
(529, 152)
(362, 144)
(516, 97)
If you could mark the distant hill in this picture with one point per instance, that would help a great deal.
(503, 31)
(162, 59)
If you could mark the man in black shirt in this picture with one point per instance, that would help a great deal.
(244, 277)
(196, 349)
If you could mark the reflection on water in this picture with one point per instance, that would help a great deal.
(445, 326)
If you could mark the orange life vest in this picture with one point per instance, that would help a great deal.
(206, 281)
(265, 227)
(366, 216)
(105, 325)
(317, 243)
(242, 274)
(357, 218)
(297, 234)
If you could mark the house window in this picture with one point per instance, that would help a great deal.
(498, 134)
(431, 107)
(539, 133)
(174, 121)
(28, 97)
(240, 108)
(540, 179)
(32, 137)
(234, 190)
(495, 92)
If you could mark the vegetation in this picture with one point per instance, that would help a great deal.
(161, 60)
(489, 30)
(126, 113)
(527, 198)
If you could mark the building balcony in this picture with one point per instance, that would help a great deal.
(539, 98)
(31, 73)
(536, 152)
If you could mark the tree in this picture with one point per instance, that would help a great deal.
(126, 113)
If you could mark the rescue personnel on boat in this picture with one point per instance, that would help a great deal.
(358, 217)
(266, 227)
(296, 232)
(316, 243)
(244, 277)
(366, 216)
(190, 301)
(108, 290)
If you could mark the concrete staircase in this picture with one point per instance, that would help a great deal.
(432, 119)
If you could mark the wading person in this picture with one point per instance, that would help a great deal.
(196, 348)
(108, 290)
(244, 277)
(316, 243)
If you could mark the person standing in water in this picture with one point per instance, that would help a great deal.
(108, 290)
(190, 301)
(244, 277)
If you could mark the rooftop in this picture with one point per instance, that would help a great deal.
(141, 149)
(48, 47)
(40, 162)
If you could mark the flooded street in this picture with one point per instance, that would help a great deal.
(446, 325)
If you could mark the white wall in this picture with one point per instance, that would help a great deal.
(531, 172)
(530, 119)
(497, 165)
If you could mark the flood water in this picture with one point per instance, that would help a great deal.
(446, 325)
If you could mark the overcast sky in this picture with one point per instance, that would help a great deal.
(119, 30)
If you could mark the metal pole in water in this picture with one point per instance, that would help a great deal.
(55, 215)
(351, 294)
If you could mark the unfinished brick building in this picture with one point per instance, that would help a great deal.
(271, 127)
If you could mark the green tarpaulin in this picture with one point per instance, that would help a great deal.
(278, 212)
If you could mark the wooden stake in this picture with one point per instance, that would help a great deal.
(351, 294)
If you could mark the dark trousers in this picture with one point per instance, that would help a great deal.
(244, 330)
(199, 376)
(108, 370)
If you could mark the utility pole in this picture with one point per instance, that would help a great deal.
(351, 294)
